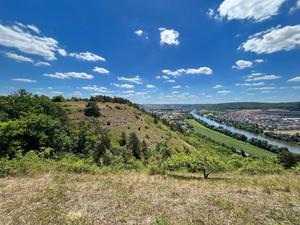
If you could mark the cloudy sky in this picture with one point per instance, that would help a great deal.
(158, 51)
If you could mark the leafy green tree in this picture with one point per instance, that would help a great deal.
(206, 164)
(92, 110)
(123, 139)
(134, 145)
(31, 133)
(58, 98)
(100, 141)
(144, 149)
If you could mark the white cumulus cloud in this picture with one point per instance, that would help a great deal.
(251, 84)
(134, 79)
(256, 10)
(273, 40)
(24, 80)
(201, 70)
(94, 88)
(41, 63)
(100, 70)
(128, 86)
(168, 36)
(264, 77)
(218, 86)
(17, 57)
(26, 40)
(242, 64)
(69, 75)
(176, 87)
(138, 32)
(295, 79)
(150, 86)
(87, 56)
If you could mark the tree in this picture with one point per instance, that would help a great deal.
(194, 163)
(134, 145)
(123, 139)
(58, 98)
(92, 110)
(31, 133)
(207, 164)
(100, 142)
(144, 149)
(288, 159)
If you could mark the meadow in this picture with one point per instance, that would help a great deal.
(131, 197)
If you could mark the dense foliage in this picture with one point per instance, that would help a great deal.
(206, 164)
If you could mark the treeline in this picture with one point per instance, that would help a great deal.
(254, 128)
(103, 98)
(285, 137)
(97, 98)
(254, 141)
(292, 106)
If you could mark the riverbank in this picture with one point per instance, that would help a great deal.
(229, 141)
(281, 144)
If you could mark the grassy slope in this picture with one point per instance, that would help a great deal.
(130, 119)
(137, 198)
(199, 128)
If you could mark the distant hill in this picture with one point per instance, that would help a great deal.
(291, 106)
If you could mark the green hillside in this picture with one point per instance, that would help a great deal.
(229, 141)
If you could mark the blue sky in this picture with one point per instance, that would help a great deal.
(159, 51)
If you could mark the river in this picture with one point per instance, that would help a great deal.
(292, 147)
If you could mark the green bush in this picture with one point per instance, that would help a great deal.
(296, 169)
(28, 164)
(92, 110)
(156, 169)
(71, 163)
(254, 167)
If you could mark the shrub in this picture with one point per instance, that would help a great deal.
(28, 164)
(296, 169)
(58, 98)
(71, 163)
(288, 159)
(92, 110)
(156, 169)
(254, 167)
(134, 145)
(123, 139)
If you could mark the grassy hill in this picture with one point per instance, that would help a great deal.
(121, 117)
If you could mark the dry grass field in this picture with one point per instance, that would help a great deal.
(138, 198)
